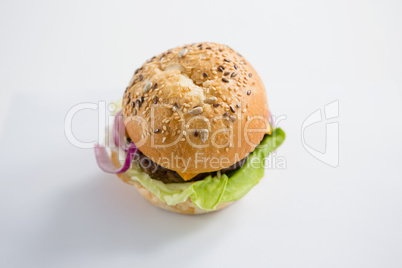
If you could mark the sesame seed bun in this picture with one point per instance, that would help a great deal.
(195, 103)
(186, 207)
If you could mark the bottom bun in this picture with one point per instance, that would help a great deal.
(186, 207)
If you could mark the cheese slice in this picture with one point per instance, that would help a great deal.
(187, 176)
(269, 130)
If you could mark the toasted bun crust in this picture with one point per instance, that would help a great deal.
(186, 207)
(195, 103)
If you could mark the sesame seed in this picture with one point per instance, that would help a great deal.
(135, 112)
(196, 110)
(183, 139)
(248, 118)
(184, 132)
(226, 73)
(155, 86)
(225, 80)
(233, 74)
(176, 105)
(216, 105)
(164, 127)
(163, 139)
(128, 100)
(232, 118)
(221, 68)
(204, 134)
(211, 100)
(250, 74)
(147, 87)
(141, 77)
(183, 52)
(133, 104)
(138, 102)
(248, 92)
(204, 75)
(244, 110)
(136, 71)
(232, 109)
(237, 106)
(157, 131)
(225, 114)
(156, 100)
(208, 48)
(236, 66)
(227, 60)
(196, 133)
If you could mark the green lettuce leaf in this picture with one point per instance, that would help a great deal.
(211, 191)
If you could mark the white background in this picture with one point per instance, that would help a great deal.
(58, 209)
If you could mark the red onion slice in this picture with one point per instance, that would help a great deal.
(103, 159)
(106, 164)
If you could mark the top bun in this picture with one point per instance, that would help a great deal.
(196, 108)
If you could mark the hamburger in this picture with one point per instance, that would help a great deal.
(193, 130)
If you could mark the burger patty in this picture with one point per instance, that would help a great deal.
(165, 175)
